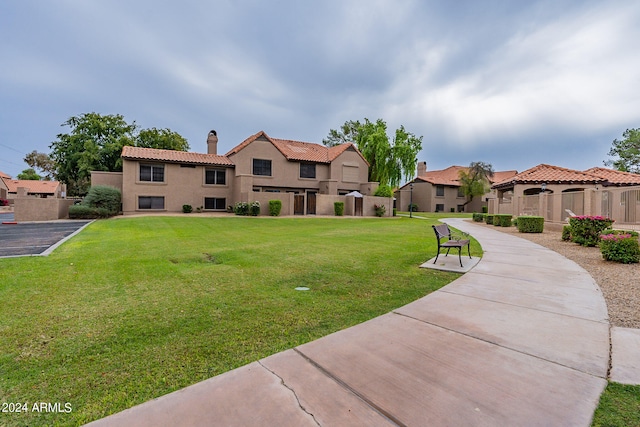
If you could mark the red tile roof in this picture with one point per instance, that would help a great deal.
(298, 150)
(451, 176)
(4, 175)
(35, 187)
(551, 175)
(173, 156)
(615, 177)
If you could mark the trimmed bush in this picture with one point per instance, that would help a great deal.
(478, 217)
(566, 233)
(187, 208)
(620, 247)
(502, 220)
(275, 206)
(338, 208)
(485, 209)
(380, 210)
(384, 191)
(530, 224)
(254, 208)
(103, 197)
(241, 208)
(586, 230)
(4, 202)
(87, 212)
(415, 208)
(488, 218)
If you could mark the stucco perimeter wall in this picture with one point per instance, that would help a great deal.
(324, 205)
(263, 198)
(38, 209)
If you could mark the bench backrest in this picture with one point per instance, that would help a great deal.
(441, 231)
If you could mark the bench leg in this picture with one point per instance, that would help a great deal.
(460, 255)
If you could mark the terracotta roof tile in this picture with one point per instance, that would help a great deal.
(173, 156)
(451, 176)
(35, 187)
(551, 175)
(4, 175)
(298, 150)
(615, 177)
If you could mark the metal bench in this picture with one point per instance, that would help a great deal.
(442, 232)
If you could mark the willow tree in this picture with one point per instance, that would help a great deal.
(475, 180)
(389, 159)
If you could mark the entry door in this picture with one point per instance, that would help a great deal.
(311, 203)
(358, 201)
(298, 204)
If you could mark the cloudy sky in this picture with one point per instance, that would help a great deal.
(512, 83)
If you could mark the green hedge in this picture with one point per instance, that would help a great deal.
(488, 218)
(478, 217)
(530, 224)
(87, 212)
(275, 206)
(338, 208)
(502, 220)
(103, 197)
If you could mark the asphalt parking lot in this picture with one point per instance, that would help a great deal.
(24, 239)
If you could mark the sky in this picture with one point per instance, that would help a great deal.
(511, 83)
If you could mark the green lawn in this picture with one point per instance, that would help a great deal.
(134, 308)
(619, 407)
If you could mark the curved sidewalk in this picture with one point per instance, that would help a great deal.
(522, 339)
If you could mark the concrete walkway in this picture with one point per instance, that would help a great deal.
(522, 339)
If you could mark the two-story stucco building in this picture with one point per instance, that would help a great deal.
(308, 178)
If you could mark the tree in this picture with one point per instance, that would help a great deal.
(388, 161)
(627, 151)
(43, 162)
(164, 139)
(29, 175)
(95, 144)
(475, 180)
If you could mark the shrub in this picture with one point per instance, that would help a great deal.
(87, 212)
(4, 202)
(187, 208)
(585, 230)
(254, 208)
(103, 197)
(241, 208)
(488, 218)
(414, 206)
(566, 233)
(478, 217)
(380, 210)
(384, 191)
(530, 224)
(502, 220)
(395, 211)
(275, 206)
(338, 208)
(620, 247)
(485, 209)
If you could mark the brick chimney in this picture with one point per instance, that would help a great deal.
(422, 168)
(212, 142)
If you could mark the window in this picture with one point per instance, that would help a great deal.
(147, 202)
(152, 173)
(440, 207)
(215, 176)
(215, 203)
(307, 170)
(262, 167)
(460, 192)
(440, 190)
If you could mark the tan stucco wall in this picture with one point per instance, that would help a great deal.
(109, 179)
(39, 209)
(181, 186)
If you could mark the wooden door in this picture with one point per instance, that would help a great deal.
(298, 204)
(311, 203)
(359, 201)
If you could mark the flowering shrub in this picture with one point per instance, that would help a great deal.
(380, 210)
(585, 230)
(241, 208)
(254, 209)
(620, 247)
(4, 202)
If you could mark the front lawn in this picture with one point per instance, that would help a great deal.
(134, 308)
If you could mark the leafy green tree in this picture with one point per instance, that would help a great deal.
(388, 160)
(43, 162)
(30, 175)
(627, 152)
(164, 139)
(475, 180)
(95, 143)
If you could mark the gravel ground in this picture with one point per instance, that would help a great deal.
(620, 283)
